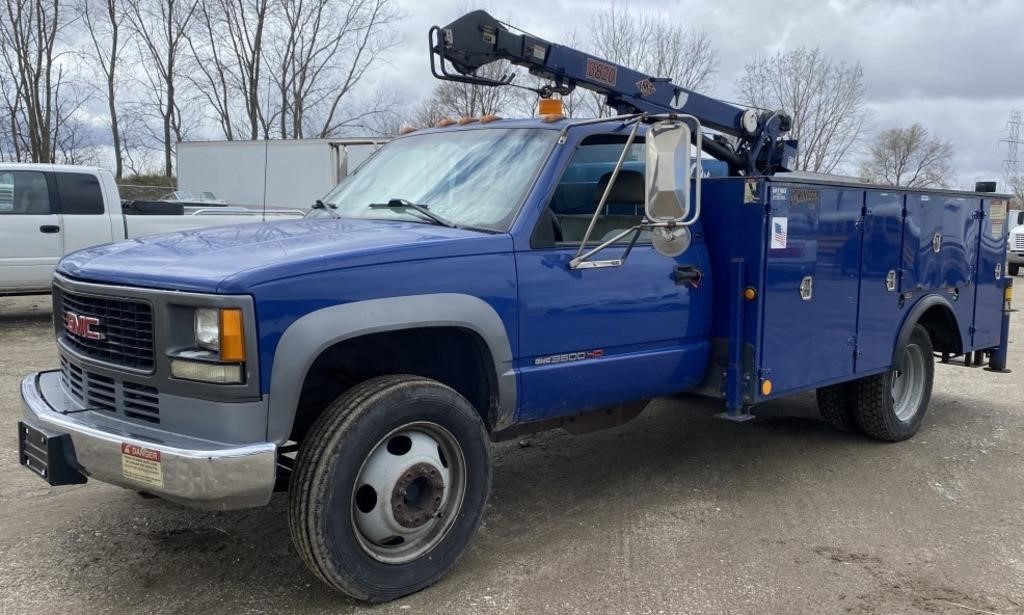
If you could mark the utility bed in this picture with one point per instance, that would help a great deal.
(838, 265)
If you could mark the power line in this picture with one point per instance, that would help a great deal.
(1013, 140)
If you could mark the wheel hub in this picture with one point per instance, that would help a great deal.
(908, 384)
(408, 492)
(417, 495)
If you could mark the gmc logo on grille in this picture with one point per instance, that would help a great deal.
(82, 326)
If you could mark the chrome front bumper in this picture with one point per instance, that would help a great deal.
(189, 471)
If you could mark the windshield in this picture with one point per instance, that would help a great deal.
(473, 178)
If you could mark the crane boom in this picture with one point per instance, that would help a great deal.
(477, 39)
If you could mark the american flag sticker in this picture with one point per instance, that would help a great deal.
(780, 228)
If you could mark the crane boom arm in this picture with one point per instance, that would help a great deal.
(477, 39)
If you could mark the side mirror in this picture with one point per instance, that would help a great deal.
(667, 172)
(669, 169)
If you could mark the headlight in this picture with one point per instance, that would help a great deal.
(218, 353)
(208, 328)
(221, 331)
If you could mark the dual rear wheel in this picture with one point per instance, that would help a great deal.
(888, 406)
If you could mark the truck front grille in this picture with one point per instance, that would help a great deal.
(1018, 242)
(124, 328)
(102, 393)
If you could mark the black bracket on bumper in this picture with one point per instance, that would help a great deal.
(50, 455)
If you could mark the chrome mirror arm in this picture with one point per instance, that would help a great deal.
(607, 191)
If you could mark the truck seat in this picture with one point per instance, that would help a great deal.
(624, 208)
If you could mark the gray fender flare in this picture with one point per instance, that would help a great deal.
(912, 318)
(306, 338)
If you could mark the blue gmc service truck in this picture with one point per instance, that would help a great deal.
(490, 277)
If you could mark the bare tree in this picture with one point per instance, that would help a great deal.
(209, 71)
(1016, 186)
(646, 42)
(104, 20)
(321, 52)
(29, 31)
(160, 27)
(228, 55)
(825, 98)
(452, 98)
(909, 157)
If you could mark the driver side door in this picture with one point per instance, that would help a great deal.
(596, 337)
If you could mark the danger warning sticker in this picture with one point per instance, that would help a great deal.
(141, 464)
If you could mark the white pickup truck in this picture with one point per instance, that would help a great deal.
(47, 211)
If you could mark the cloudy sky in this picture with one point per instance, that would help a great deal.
(955, 66)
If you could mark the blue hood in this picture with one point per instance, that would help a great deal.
(234, 259)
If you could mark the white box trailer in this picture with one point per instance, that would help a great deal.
(278, 173)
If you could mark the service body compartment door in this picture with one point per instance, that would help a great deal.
(878, 315)
(938, 242)
(810, 299)
(988, 300)
(940, 251)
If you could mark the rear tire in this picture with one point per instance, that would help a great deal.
(1014, 269)
(835, 405)
(891, 406)
(389, 487)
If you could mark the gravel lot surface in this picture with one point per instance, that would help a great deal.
(675, 512)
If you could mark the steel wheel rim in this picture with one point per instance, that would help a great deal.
(908, 384)
(418, 492)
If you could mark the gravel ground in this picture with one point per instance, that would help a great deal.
(675, 512)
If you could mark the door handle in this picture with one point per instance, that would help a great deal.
(686, 274)
(49, 228)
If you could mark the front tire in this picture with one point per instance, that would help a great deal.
(891, 406)
(389, 487)
(1014, 269)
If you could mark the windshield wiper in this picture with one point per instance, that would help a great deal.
(403, 204)
(330, 208)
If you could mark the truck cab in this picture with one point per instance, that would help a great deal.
(47, 211)
(1015, 242)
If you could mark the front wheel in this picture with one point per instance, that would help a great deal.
(1014, 269)
(389, 487)
(891, 406)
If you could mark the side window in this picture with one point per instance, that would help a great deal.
(80, 194)
(584, 182)
(25, 193)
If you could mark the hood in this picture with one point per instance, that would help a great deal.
(233, 259)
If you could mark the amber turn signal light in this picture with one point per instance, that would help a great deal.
(232, 335)
(549, 106)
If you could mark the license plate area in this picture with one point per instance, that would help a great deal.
(51, 456)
